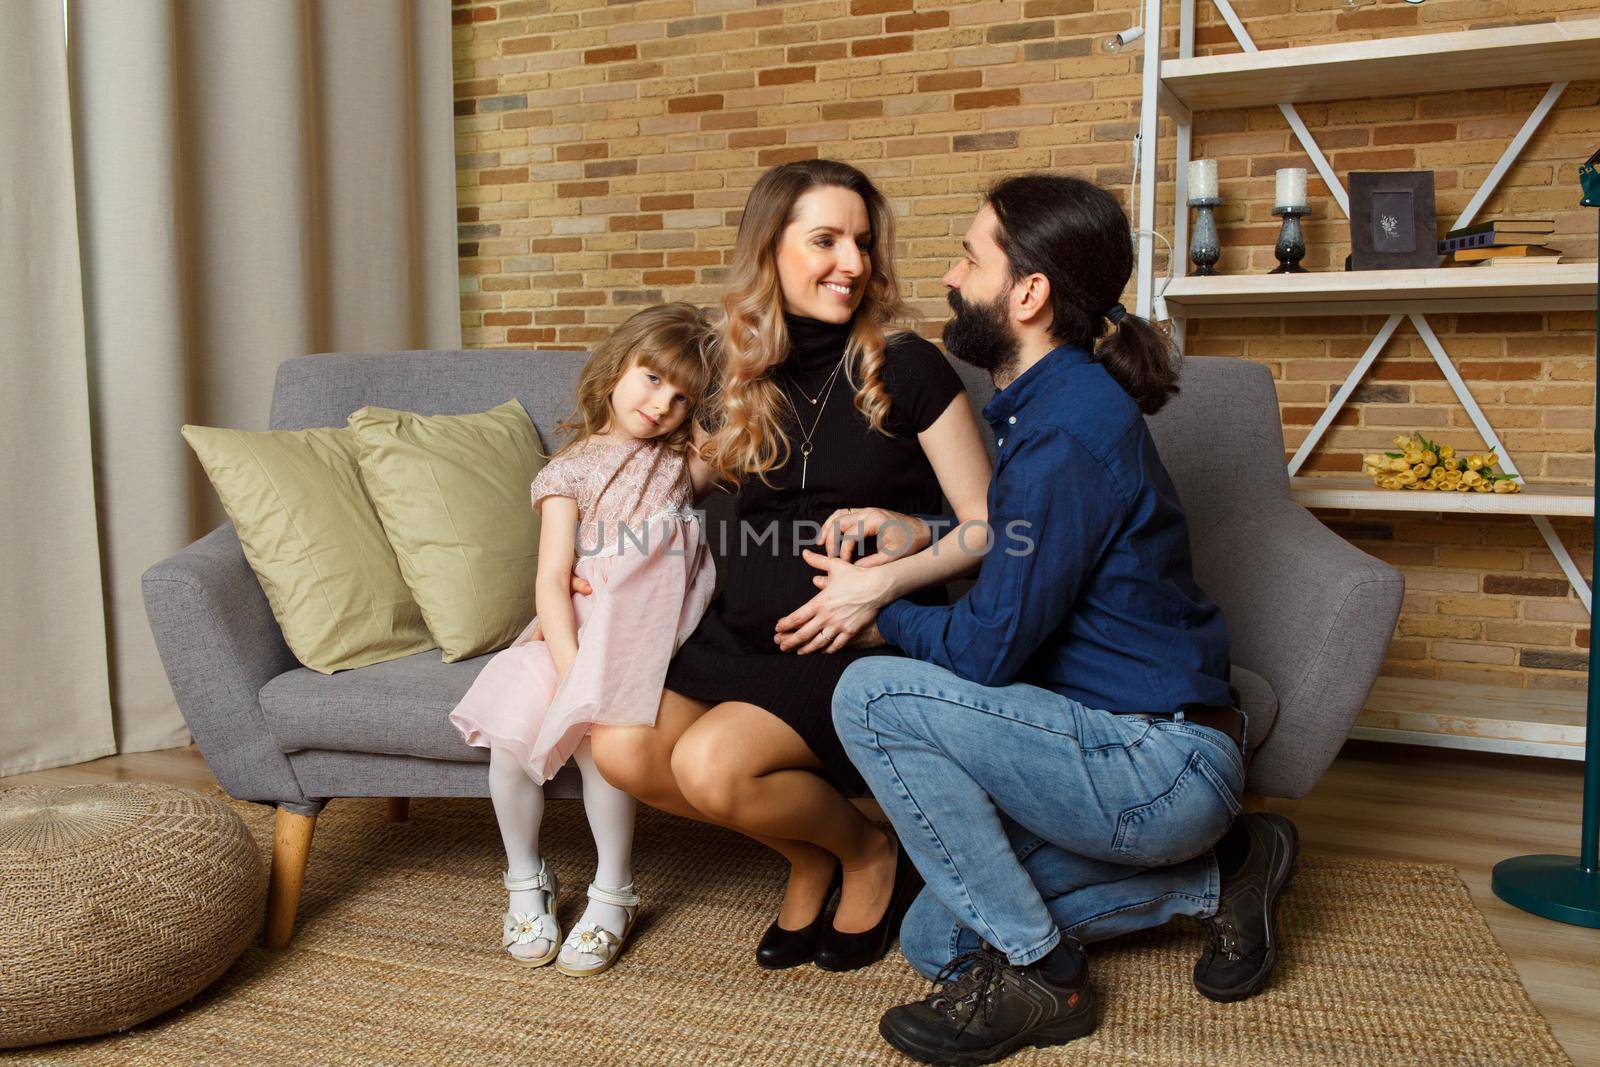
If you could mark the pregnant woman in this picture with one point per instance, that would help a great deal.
(827, 423)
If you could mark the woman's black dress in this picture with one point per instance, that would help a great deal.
(731, 656)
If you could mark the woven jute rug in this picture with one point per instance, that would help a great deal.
(395, 961)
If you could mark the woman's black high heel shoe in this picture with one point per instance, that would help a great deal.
(839, 951)
(780, 948)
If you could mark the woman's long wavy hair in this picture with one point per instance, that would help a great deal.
(677, 341)
(750, 438)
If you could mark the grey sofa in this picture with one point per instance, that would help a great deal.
(1310, 616)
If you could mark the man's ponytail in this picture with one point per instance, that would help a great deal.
(1076, 235)
(1142, 359)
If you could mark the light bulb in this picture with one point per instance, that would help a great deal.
(1123, 38)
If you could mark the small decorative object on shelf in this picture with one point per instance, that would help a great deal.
(1426, 465)
(1204, 246)
(1290, 187)
(1392, 222)
(1291, 246)
(1289, 202)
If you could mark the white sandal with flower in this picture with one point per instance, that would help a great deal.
(526, 927)
(590, 948)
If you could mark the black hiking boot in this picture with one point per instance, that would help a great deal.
(1244, 939)
(986, 1009)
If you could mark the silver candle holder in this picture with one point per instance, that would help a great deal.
(1205, 248)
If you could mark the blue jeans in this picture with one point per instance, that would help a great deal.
(1030, 815)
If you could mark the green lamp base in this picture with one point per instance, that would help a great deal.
(1554, 887)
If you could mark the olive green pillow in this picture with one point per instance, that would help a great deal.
(315, 543)
(452, 494)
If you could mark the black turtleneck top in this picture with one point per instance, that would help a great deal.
(852, 465)
(761, 574)
(815, 348)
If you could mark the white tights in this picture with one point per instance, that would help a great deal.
(519, 809)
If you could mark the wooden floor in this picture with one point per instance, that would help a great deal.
(1468, 810)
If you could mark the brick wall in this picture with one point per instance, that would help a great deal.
(604, 151)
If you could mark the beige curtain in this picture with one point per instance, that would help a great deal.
(254, 181)
(52, 616)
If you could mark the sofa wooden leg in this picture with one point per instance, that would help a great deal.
(291, 844)
(399, 809)
(1254, 802)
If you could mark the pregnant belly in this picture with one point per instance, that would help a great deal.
(759, 588)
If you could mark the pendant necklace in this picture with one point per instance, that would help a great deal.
(820, 403)
(814, 400)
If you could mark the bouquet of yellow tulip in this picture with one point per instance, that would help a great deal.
(1424, 464)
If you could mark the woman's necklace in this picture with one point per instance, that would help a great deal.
(821, 405)
(814, 400)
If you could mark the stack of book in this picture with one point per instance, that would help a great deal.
(1501, 242)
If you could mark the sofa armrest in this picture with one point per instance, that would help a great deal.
(1313, 615)
(220, 643)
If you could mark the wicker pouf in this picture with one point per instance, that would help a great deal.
(117, 902)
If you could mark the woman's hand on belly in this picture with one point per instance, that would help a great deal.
(846, 606)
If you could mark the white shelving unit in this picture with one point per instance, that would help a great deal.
(1486, 718)
(1396, 66)
(1442, 290)
(1359, 494)
(1406, 710)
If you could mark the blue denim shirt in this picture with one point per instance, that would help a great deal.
(1088, 588)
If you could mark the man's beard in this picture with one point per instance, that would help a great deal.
(981, 335)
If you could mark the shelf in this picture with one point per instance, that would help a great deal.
(1438, 290)
(1359, 494)
(1487, 718)
(1396, 66)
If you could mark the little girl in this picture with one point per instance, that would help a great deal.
(613, 510)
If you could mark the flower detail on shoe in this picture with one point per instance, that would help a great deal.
(591, 939)
(591, 948)
(519, 929)
(526, 927)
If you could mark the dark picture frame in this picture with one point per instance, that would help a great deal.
(1393, 224)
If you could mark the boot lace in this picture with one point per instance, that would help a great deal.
(967, 993)
(1224, 935)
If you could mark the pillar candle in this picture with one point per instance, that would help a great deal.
(1203, 179)
(1291, 188)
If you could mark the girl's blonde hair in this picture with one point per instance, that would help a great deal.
(677, 341)
(750, 438)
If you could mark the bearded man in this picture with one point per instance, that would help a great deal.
(1060, 750)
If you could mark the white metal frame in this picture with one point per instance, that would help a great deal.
(1185, 126)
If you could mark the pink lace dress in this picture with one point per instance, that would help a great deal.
(644, 554)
